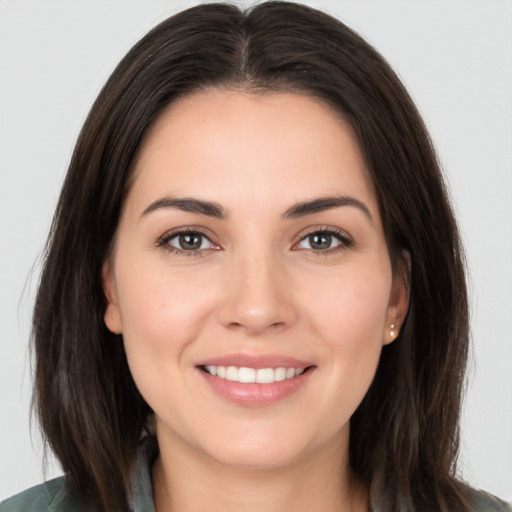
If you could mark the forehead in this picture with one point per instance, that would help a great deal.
(220, 144)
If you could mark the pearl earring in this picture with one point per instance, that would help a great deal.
(392, 332)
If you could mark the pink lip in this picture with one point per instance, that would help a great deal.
(254, 394)
(255, 361)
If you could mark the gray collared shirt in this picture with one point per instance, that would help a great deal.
(53, 496)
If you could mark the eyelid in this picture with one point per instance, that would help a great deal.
(163, 240)
(345, 239)
(342, 236)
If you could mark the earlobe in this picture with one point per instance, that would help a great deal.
(399, 300)
(112, 316)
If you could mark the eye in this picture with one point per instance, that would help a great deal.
(324, 241)
(188, 242)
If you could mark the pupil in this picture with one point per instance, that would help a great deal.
(320, 241)
(190, 242)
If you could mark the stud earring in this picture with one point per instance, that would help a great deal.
(392, 331)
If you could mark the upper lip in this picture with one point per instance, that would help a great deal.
(255, 361)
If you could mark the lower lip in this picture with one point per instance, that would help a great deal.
(254, 394)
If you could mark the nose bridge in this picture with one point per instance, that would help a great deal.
(256, 293)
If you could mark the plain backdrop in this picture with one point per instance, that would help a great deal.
(454, 56)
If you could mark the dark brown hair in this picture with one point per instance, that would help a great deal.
(404, 435)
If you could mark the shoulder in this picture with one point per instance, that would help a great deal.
(55, 496)
(51, 496)
(484, 502)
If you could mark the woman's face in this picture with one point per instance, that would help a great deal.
(251, 279)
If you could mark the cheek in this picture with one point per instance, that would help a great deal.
(160, 314)
(159, 306)
(351, 307)
(349, 321)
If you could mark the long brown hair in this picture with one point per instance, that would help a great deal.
(404, 435)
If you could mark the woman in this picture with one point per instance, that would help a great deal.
(254, 258)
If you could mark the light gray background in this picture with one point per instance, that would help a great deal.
(454, 56)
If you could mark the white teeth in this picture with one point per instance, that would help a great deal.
(265, 375)
(252, 375)
(212, 370)
(280, 374)
(231, 373)
(247, 375)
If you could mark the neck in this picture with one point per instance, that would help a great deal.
(186, 481)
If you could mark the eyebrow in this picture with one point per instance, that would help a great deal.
(211, 209)
(324, 203)
(188, 204)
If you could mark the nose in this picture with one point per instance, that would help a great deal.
(258, 296)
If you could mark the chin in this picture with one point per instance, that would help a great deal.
(261, 456)
(260, 449)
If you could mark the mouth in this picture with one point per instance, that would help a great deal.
(252, 381)
(247, 375)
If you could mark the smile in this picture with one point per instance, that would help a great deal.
(255, 381)
(246, 375)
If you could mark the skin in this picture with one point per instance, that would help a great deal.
(257, 286)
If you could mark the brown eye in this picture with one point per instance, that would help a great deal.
(320, 241)
(190, 242)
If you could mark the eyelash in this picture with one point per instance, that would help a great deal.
(345, 241)
(163, 242)
(341, 236)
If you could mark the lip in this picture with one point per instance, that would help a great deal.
(255, 394)
(255, 361)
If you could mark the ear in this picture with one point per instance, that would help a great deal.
(398, 300)
(112, 316)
